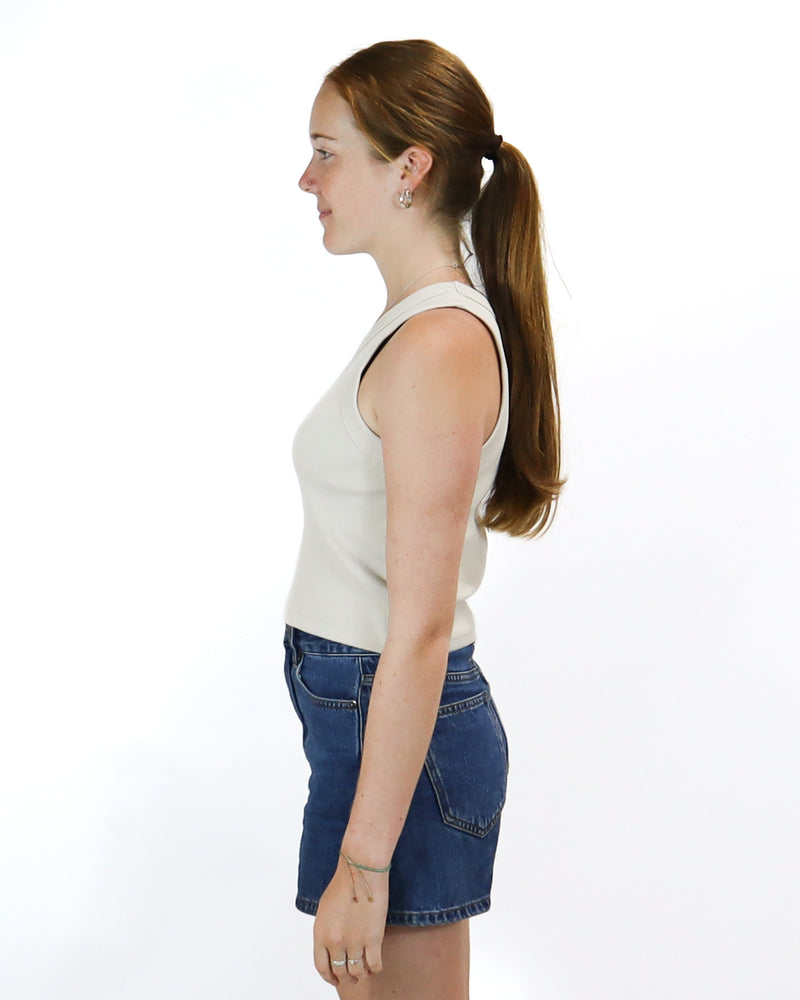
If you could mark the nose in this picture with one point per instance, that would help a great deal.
(306, 180)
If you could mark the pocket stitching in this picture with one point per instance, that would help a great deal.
(339, 704)
(438, 783)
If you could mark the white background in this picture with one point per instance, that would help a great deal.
(168, 315)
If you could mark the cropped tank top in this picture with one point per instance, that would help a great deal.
(339, 589)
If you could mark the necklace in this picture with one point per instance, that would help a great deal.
(421, 276)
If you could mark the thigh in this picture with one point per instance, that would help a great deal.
(419, 963)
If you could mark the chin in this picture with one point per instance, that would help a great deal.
(337, 248)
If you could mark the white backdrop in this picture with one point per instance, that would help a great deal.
(168, 315)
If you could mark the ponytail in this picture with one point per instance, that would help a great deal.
(508, 244)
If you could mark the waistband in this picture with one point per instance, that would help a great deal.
(305, 642)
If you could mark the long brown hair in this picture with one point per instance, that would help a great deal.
(415, 93)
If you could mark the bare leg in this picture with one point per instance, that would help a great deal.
(419, 963)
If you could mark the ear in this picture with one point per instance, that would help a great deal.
(415, 164)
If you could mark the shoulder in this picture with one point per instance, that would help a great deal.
(440, 365)
(446, 329)
(448, 340)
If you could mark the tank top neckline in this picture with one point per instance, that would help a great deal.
(425, 288)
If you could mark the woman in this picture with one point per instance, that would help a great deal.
(438, 428)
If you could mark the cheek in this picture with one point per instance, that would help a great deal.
(370, 196)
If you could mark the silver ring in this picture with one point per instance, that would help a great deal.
(341, 962)
(352, 961)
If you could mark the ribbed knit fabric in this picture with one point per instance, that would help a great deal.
(339, 589)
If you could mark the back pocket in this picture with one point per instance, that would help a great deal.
(467, 763)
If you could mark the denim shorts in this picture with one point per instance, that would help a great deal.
(442, 865)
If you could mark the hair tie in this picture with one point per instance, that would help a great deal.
(494, 148)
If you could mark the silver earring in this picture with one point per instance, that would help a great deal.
(405, 197)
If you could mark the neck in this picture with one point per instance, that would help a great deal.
(412, 264)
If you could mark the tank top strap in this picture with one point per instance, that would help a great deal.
(442, 295)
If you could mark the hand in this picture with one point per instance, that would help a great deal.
(351, 929)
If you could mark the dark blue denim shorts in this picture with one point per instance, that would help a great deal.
(442, 865)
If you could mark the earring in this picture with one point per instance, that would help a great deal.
(405, 197)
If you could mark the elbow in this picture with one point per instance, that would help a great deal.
(425, 640)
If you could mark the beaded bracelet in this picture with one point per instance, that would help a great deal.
(361, 869)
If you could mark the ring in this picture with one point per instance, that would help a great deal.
(340, 962)
(352, 961)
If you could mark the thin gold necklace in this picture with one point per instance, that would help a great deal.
(421, 276)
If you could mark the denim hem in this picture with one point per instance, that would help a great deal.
(401, 918)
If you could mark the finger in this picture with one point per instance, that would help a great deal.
(323, 965)
(372, 957)
(356, 964)
(339, 966)
(337, 963)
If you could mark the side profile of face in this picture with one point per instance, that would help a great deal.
(355, 191)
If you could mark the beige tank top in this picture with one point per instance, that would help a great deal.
(339, 589)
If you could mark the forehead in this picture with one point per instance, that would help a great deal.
(331, 115)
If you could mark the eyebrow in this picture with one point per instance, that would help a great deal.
(321, 135)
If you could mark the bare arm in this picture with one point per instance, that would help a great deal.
(436, 395)
(433, 396)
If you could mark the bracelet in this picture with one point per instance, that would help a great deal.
(360, 869)
(364, 868)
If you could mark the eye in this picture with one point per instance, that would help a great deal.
(324, 154)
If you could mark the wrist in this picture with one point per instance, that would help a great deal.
(362, 875)
(352, 863)
(368, 853)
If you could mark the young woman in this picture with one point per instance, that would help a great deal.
(443, 424)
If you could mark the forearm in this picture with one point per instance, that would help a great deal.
(402, 714)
